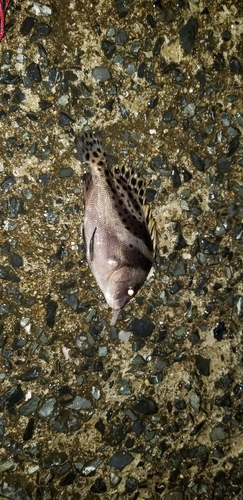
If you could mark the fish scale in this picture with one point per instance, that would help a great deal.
(119, 230)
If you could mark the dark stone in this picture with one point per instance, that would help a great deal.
(72, 301)
(16, 260)
(17, 96)
(202, 365)
(175, 176)
(226, 35)
(152, 103)
(131, 485)
(224, 400)
(157, 46)
(188, 34)
(167, 116)
(187, 176)
(175, 287)
(197, 428)
(194, 338)
(33, 72)
(67, 284)
(120, 459)
(180, 242)
(180, 404)
(42, 50)
(88, 352)
(51, 313)
(29, 430)
(109, 48)
(12, 396)
(70, 76)
(197, 162)
(42, 29)
(223, 165)
(145, 406)
(8, 182)
(210, 247)
(8, 79)
(141, 327)
(237, 232)
(219, 331)
(27, 25)
(45, 105)
(31, 374)
(150, 194)
(150, 77)
(235, 66)
(16, 206)
(65, 395)
(123, 111)
(18, 343)
(141, 70)
(100, 426)
(54, 76)
(68, 479)
(121, 37)
(138, 427)
(233, 145)
(7, 274)
(99, 486)
(64, 120)
(122, 9)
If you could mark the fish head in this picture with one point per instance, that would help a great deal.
(123, 285)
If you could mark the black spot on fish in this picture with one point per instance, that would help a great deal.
(87, 157)
(140, 183)
(95, 154)
(133, 181)
(101, 163)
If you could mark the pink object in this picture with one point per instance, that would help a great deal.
(3, 8)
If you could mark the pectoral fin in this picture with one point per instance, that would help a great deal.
(91, 245)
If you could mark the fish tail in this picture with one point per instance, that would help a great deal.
(90, 147)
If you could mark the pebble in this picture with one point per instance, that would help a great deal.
(65, 120)
(197, 162)
(47, 408)
(27, 25)
(203, 365)
(108, 48)
(33, 72)
(120, 460)
(145, 406)
(188, 34)
(143, 327)
(80, 403)
(31, 374)
(41, 9)
(121, 37)
(51, 309)
(101, 73)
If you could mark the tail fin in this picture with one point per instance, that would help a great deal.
(90, 147)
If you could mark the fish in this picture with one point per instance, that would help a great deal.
(118, 227)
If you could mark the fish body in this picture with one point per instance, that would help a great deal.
(118, 227)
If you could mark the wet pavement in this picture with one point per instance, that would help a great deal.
(151, 408)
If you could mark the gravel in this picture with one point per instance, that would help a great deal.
(150, 408)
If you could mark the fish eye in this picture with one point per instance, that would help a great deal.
(130, 292)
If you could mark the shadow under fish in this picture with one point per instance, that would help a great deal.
(119, 230)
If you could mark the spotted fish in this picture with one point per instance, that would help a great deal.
(119, 230)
